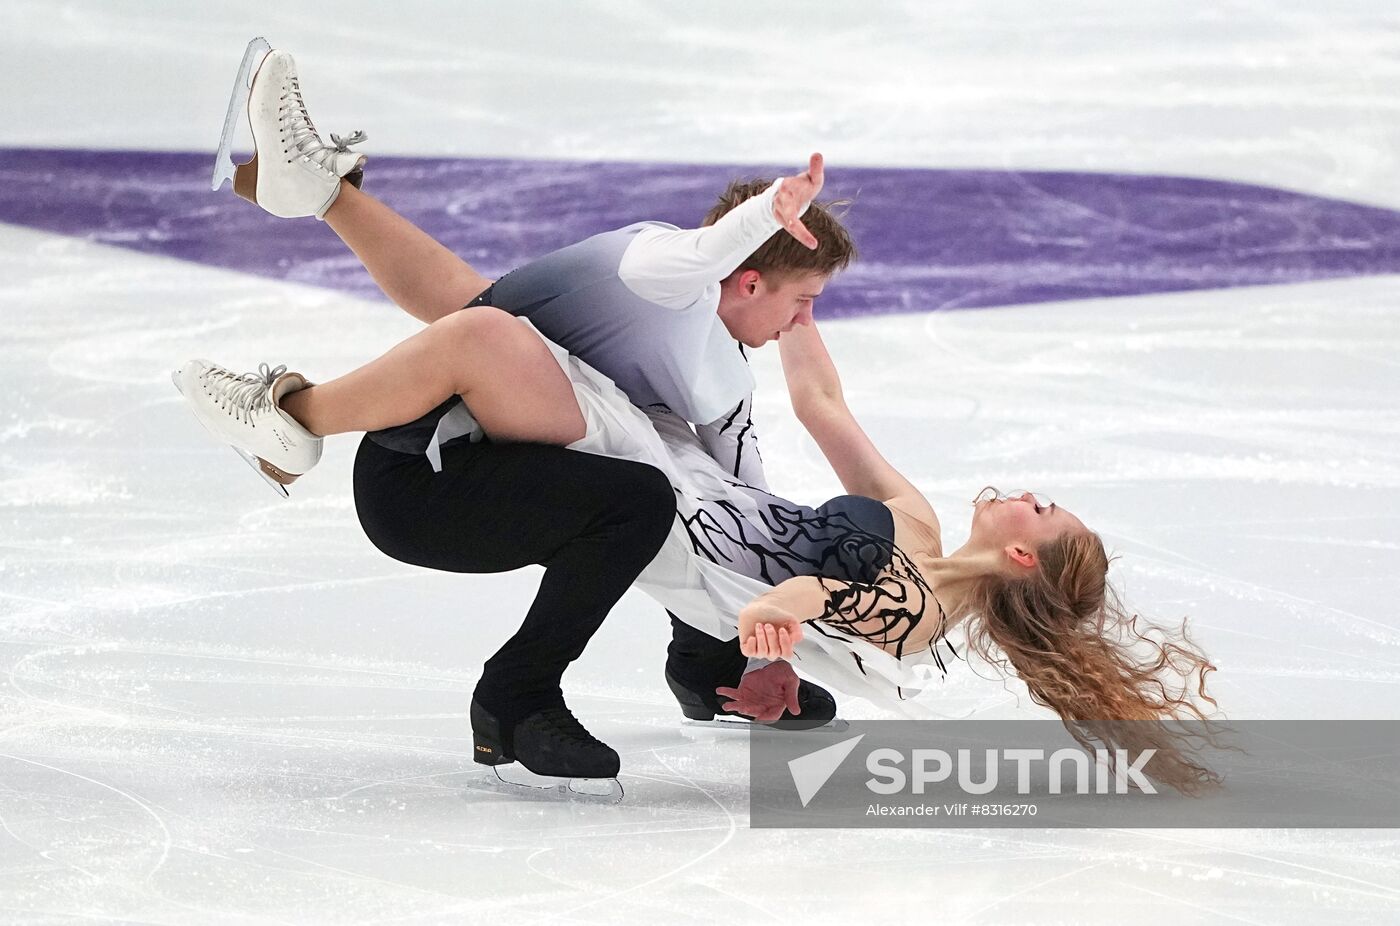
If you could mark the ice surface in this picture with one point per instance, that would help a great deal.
(218, 707)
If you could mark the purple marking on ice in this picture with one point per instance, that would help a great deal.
(929, 239)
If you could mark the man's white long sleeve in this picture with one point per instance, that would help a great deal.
(733, 443)
(675, 267)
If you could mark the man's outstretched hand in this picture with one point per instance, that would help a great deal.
(793, 197)
(764, 693)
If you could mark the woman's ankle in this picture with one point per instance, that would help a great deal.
(300, 406)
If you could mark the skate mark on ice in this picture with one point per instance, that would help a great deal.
(730, 831)
(165, 848)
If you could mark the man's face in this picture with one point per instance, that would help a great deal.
(757, 308)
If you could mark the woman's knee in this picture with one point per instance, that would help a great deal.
(475, 327)
(475, 344)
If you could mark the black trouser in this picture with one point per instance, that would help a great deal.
(702, 663)
(592, 521)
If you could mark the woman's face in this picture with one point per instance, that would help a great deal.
(1019, 521)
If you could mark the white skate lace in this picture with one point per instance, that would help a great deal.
(244, 394)
(343, 144)
(304, 136)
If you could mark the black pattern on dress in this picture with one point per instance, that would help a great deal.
(883, 599)
(886, 612)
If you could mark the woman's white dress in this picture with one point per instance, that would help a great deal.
(698, 590)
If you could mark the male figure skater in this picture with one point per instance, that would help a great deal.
(663, 312)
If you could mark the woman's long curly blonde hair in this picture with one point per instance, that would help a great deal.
(1066, 634)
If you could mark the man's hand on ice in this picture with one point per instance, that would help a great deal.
(764, 693)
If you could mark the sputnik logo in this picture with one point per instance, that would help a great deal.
(812, 771)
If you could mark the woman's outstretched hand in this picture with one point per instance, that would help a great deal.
(793, 197)
(767, 631)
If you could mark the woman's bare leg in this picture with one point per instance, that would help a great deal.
(423, 278)
(500, 368)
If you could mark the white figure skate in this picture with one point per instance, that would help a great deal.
(292, 172)
(242, 410)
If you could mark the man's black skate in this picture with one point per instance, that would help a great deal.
(705, 707)
(547, 750)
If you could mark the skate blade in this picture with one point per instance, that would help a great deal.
(238, 101)
(257, 468)
(514, 778)
(741, 724)
(245, 457)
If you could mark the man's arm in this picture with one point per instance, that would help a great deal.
(733, 443)
(673, 266)
(820, 405)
